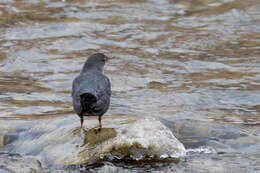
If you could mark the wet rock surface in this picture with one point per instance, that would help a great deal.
(122, 138)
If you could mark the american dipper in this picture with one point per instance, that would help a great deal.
(91, 89)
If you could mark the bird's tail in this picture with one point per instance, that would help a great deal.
(87, 100)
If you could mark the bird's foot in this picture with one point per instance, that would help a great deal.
(84, 129)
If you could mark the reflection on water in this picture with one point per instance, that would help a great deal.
(193, 64)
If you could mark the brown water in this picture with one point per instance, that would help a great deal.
(193, 64)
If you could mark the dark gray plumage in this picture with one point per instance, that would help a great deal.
(91, 90)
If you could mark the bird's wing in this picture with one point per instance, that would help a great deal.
(84, 83)
(104, 86)
(87, 83)
(75, 95)
(95, 83)
(103, 94)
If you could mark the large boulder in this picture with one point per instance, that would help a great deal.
(123, 137)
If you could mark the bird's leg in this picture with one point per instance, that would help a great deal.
(81, 124)
(100, 125)
(81, 121)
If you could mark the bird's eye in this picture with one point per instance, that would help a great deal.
(103, 60)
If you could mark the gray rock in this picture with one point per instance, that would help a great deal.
(122, 137)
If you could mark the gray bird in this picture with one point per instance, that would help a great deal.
(91, 90)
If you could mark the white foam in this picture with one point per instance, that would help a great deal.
(205, 150)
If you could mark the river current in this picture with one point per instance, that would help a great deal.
(190, 67)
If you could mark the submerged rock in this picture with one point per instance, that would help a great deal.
(122, 138)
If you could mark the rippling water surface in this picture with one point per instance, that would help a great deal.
(194, 65)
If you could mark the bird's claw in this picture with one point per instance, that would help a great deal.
(84, 129)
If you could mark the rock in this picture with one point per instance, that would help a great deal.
(145, 138)
(122, 138)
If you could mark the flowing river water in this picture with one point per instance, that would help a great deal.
(188, 66)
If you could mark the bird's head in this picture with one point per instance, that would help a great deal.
(95, 61)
